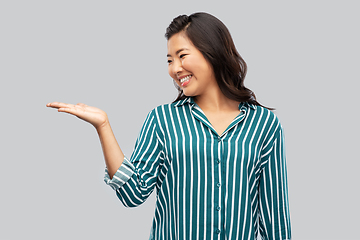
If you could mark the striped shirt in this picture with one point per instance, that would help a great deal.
(232, 186)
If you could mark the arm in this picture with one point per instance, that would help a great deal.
(137, 177)
(98, 118)
(273, 192)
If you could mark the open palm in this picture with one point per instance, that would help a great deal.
(92, 115)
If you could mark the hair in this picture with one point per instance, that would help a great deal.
(212, 38)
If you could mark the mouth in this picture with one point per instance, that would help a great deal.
(185, 80)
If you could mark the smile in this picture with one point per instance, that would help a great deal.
(184, 81)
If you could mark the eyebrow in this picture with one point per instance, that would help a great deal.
(177, 52)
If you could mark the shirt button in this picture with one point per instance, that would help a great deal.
(219, 139)
(218, 208)
(218, 161)
(217, 231)
(218, 185)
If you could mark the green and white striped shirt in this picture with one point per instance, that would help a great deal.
(232, 186)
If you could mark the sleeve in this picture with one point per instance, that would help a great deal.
(273, 190)
(136, 178)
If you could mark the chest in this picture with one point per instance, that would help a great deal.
(221, 121)
(193, 143)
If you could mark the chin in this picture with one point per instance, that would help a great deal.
(189, 94)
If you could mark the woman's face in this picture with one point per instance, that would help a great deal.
(188, 67)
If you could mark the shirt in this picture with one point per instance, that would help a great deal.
(232, 186)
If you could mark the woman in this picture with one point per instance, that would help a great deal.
(215, 155)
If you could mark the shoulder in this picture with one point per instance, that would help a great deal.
(262, 112)
(171, 107)
(269, 125)
(266, 117)
(163, 108)
(162, 112)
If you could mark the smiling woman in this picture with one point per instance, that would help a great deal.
(215, 156)
(189, 69)
(211, 37)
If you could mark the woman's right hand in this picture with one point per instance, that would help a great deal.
(95, 116)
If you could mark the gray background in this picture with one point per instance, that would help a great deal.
(303, 59)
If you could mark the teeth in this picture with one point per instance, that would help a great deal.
(185, 79)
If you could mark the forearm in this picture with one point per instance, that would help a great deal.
(111, 149)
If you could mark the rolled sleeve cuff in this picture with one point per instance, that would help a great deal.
(122, 175)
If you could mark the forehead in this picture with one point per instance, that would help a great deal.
(178, 41)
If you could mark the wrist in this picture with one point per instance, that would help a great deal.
(103, 127)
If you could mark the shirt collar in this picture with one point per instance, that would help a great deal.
(188, 100)
(191, 101)
(248, 105)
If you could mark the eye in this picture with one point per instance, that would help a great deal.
(182, 55)
(169, 61)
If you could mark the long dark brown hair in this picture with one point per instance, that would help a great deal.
(212, 38)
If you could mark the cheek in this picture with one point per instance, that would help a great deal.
(186, 64)
(192, 65)
(170, 71)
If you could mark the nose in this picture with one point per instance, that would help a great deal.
(177, 67)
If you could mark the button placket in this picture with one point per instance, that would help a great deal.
(218, 145)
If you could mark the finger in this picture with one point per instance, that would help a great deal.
(53, 104)
(69, 110)
(82, 104)
(86, 107)
(59, 105)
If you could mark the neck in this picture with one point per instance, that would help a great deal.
(215, 101)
